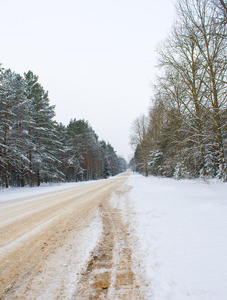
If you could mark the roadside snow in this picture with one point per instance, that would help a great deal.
(13, 193)
(181, 228)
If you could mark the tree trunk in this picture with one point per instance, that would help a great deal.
(38, 178)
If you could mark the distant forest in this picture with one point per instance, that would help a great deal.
(34, 148)
(184, 134)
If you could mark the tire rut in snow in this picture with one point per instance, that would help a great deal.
(108, 273)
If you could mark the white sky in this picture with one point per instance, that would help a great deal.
(96, 58)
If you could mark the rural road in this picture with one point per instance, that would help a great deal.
(42, 240)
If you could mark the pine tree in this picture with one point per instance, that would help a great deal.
(13, 129)
(106, 170)
(43, 163)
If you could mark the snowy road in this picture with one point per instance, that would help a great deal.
(128, 237)
(47, 239)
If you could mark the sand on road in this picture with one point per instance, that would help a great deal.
(41, 238)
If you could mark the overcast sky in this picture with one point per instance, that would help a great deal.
(95, 57)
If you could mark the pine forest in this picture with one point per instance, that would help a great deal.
(34, 148)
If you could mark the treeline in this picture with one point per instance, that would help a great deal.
(185, 132)
(34, 148)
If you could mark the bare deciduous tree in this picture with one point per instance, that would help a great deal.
(139, 140)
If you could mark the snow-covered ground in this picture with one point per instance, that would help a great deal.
(181, 233)
(12, 193)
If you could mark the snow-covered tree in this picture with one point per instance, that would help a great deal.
(210, 38)
(43, 163)
(13, 128)
(106, 169)
(34, 148)
(187, 119)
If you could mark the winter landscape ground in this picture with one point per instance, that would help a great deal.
(127, 237)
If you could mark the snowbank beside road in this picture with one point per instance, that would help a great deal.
(13, 193)
(181, 227)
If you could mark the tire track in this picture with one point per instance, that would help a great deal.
(109, 272)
